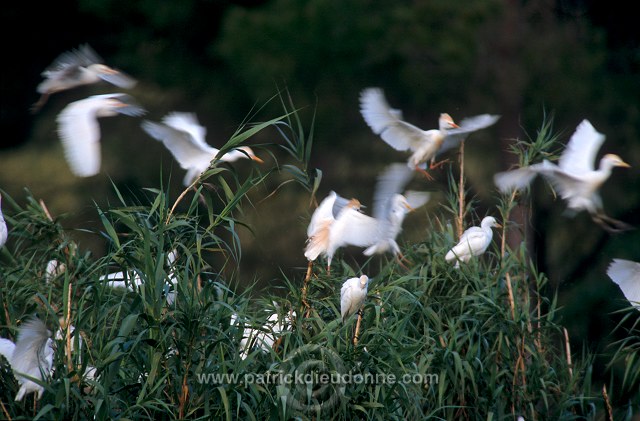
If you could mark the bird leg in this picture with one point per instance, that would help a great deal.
(433, 165)
(610, 224)
(304, 289)
(36, 106)
(357, 331)
(401, 259)
(424, 172)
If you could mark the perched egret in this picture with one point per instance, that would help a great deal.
(184, 137)
(31, 355)
(473, 242)
(575, 177)
(132, 281)
(425, 145)
(76, 68)
(264, 337)
(79, 130)
(376, 233)
(626, 274)
(352, 295)
(4, 231)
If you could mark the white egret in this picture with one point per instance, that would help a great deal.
(425, 145)
(4, 231)
(575, 176)
(79, 130)
(184, 137)
(264, 337)
(626, 274)
(132, 281)
(31, 355)
(473, 242)
(377, 233)
(352, 295)
(76, 68)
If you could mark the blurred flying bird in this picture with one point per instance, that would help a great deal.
(76, 68)
(79, 130)
(626, 274)
(184, 137)
(352, 295)
(31, 355)
(4, 231)
(574, 176)
(425, 145)
(347, 225)
(473, 242)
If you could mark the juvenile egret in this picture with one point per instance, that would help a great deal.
(377, 233)
(575, 176)
(79, 130)
(473, 242)
(4, 231)
(31, 355)
(264, 337)
(626, 274)
(425, 145)
(352, 295)
(76, 68)
(184, 137)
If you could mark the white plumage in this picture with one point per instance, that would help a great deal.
(473, 242)
(626, 274)
(575, 176)
(264, 337)
(79, 129)
(184, 137)
(31, 355)
(4, 230)
(424, 145)
(76, 68)
(338, 222)
(352, 295)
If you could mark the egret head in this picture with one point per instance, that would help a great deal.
(490, 221)
(364, 280)
(613, 160)
(446, 122)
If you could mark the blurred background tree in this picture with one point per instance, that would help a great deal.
(523, 60)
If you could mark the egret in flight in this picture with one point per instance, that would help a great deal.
(626, 274)
(184, 137)
(575, 176)
(79, 129)
(424, 145)
(76, 68)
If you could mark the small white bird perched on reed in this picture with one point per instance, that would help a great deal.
(626, 274)
(4, 230)
(184, 137)
(264, 337)
(75, 68)
(425, 145)
(575, 176)
(79, 129)
(31, 355)
(473, 242)
(352, 295)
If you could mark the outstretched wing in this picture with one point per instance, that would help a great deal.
(580, 153)
(391, 181)
(387, 122)
(467, 126)
(626, 274)
(188, 152)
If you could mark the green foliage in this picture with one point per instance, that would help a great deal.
(479, 342)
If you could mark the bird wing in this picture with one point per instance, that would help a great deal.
(117, 78)
(72, 60)
(80, 136)
(580, 153)
(472, 241)
(387, 122)
(324, 211)
(182, 145)
(467, 126)
(6, 348)
(390, 182)
(626, 274)
(354, 228)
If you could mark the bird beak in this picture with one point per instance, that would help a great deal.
(497, 225)
(623, 164)
(258, 160)
(454, 125)
(408, 206)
